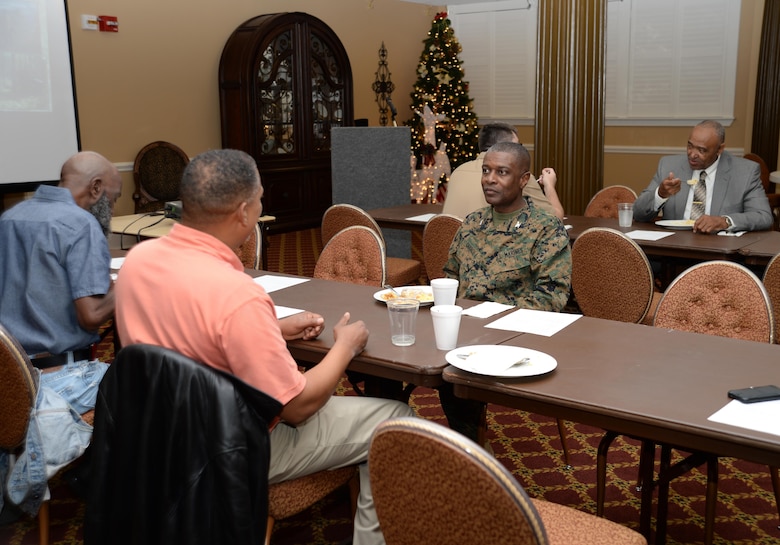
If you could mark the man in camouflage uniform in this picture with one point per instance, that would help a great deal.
(509, 252)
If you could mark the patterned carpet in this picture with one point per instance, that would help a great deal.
(527, 444)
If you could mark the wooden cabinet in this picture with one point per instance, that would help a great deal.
(285, 81)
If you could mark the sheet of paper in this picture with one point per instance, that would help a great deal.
(421, 218)
(486, 309)
(762, 416)
(273, 283)
(117, 262)
(639, 234)
(284, 312)
(538, 322)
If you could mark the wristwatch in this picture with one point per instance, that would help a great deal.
(729, 223)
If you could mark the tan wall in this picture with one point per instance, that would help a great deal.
(157, 78)
(637, 169)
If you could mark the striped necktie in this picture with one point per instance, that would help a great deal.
(699, 197)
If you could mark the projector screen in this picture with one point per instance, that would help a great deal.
(38, 123)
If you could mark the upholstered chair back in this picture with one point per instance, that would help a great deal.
(437, 237)
(611, 277)
(399, 271)
(604, 202)
(772, 285)
(251, 251)
(157, 172)
(355, 255)
(433, 486)
(718, 298)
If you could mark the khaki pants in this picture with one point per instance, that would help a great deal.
(337, 435)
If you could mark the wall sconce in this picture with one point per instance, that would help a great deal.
(383, 88)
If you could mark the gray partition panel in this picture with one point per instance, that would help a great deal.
(371, 170)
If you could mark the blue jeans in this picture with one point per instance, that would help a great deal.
(56, 435)
(77, 382)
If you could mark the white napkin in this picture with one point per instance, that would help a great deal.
(272, 283)
(763, 416)
(731, 233)
(284, 312)
(486, 309)
(422, 217)
(538, 322)
(639, 234)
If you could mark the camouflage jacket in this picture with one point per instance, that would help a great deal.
(524, 261)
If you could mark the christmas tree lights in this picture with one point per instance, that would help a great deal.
(440, 87)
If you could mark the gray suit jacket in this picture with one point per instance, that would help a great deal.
(737, 193)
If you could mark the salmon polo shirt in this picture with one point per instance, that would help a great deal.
(188, 292)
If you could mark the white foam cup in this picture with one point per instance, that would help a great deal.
(445, 290)
(446, 324)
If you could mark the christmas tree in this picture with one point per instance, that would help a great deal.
(441, 87)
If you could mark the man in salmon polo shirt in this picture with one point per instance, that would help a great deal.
(188, 292)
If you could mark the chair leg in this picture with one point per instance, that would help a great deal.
(269, 528)
(354, 492)
(564, 446)
(482, 429)
(712, 499)
(601, 470)
(775, 474)
(43, 524)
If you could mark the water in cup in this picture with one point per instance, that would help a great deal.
(403, 317)
(625, 214)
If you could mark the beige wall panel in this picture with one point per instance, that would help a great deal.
(156, 79)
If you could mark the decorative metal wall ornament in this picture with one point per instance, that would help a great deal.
(383, 88)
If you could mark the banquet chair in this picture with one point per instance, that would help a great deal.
(19, 381)
(252, 251)
(769, 188)
(188, 442)
(157, 174)
(611, 277)
(771, 282)
(437, 237)
(400, 271)
(355, 255)
(714, 298)
(289, 498)
(433, 486)
(604, 203)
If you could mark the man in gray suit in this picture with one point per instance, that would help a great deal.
(730, 195)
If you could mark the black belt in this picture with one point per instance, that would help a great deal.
(46, 360)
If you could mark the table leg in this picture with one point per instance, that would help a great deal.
(646, 462)
(663, 495)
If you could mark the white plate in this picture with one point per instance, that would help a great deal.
(425, 291)
(497, 360)
(683, 225)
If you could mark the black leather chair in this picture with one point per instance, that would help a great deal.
(179, 454)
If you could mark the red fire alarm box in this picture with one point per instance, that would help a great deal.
(107, 23)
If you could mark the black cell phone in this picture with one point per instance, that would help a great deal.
(755, 393)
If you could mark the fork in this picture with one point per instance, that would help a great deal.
(518, 362)
(522, 361)
(391, 288)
